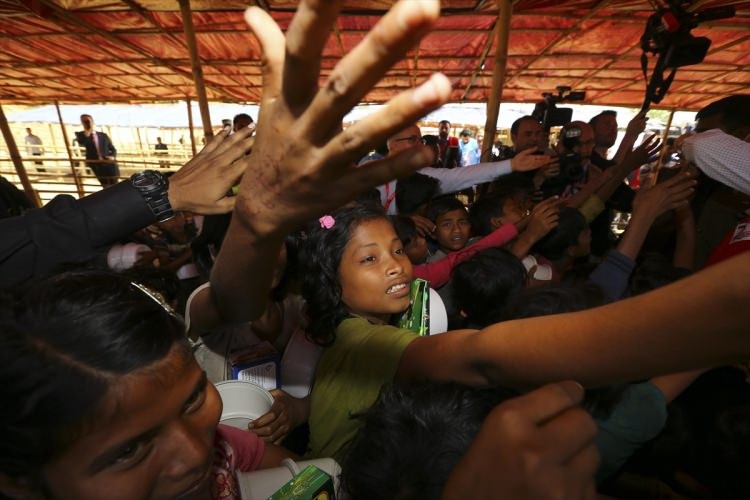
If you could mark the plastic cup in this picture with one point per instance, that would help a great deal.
(243, 402)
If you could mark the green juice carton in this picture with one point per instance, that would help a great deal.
(310, 484)
(417, 316)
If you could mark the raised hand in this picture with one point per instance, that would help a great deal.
(544, 217)
(536, 446)
(302, 163)
(425, 226)
(644, 153)
(667, 195)
(637, 124)
(202, 184)
(528, 160)
(286, 413)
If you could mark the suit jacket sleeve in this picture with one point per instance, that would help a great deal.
(67, 230)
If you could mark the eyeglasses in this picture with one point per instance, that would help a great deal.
(413, 139)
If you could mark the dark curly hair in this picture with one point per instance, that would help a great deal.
(320, 276)
(64, 341)
(412, 437)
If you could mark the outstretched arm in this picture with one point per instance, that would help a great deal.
(456, 179)
(614, 272)
(438, 273)
(633, 130)
(606, 183)
(650, 203)
(696, 322)
(291, 178)
(68, 230)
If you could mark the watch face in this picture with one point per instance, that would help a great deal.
(147, 179)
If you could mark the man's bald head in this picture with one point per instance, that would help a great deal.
(407, 138)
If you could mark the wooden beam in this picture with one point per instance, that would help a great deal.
(74, 20)
(15, 157)
(190, 125)
(553, 43)
(200, 87)
(491, 35)
(498, 76)
(663, 151)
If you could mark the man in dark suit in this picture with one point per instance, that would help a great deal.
(100, 152)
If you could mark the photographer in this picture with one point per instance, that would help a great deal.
(527, 133)
(100, 152)
(574, 149)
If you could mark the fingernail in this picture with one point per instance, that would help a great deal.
(574, 389)
(436, 89)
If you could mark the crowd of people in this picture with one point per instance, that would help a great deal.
(576, 362)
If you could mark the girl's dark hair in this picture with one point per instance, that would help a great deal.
(64, 341)
(553, 245)
(320, 276)
(406, 229)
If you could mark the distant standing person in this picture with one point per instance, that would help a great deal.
(100, 152)
(161, 150)
(469, 147)
(34, 148)
(447, 146)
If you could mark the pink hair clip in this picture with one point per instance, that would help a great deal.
(327, 222)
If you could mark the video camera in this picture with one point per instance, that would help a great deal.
(547, 112)
(667, 35)
(571, 164)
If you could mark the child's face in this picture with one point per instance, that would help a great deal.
(375, 273)
(417, 250)
(452, 230)
(154, 438)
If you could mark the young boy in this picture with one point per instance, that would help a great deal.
(452, 226)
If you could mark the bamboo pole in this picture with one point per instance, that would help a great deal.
(15, 157)
(663, 151)
(190, 124)
(200, 86)
(76, 179)
(505, 8)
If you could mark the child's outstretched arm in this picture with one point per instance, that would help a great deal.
(302, 163)
(697, 322)
(438, 273)
(613, 273)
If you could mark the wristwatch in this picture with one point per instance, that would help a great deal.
(153, 187)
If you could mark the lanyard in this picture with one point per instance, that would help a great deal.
(388, 196)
